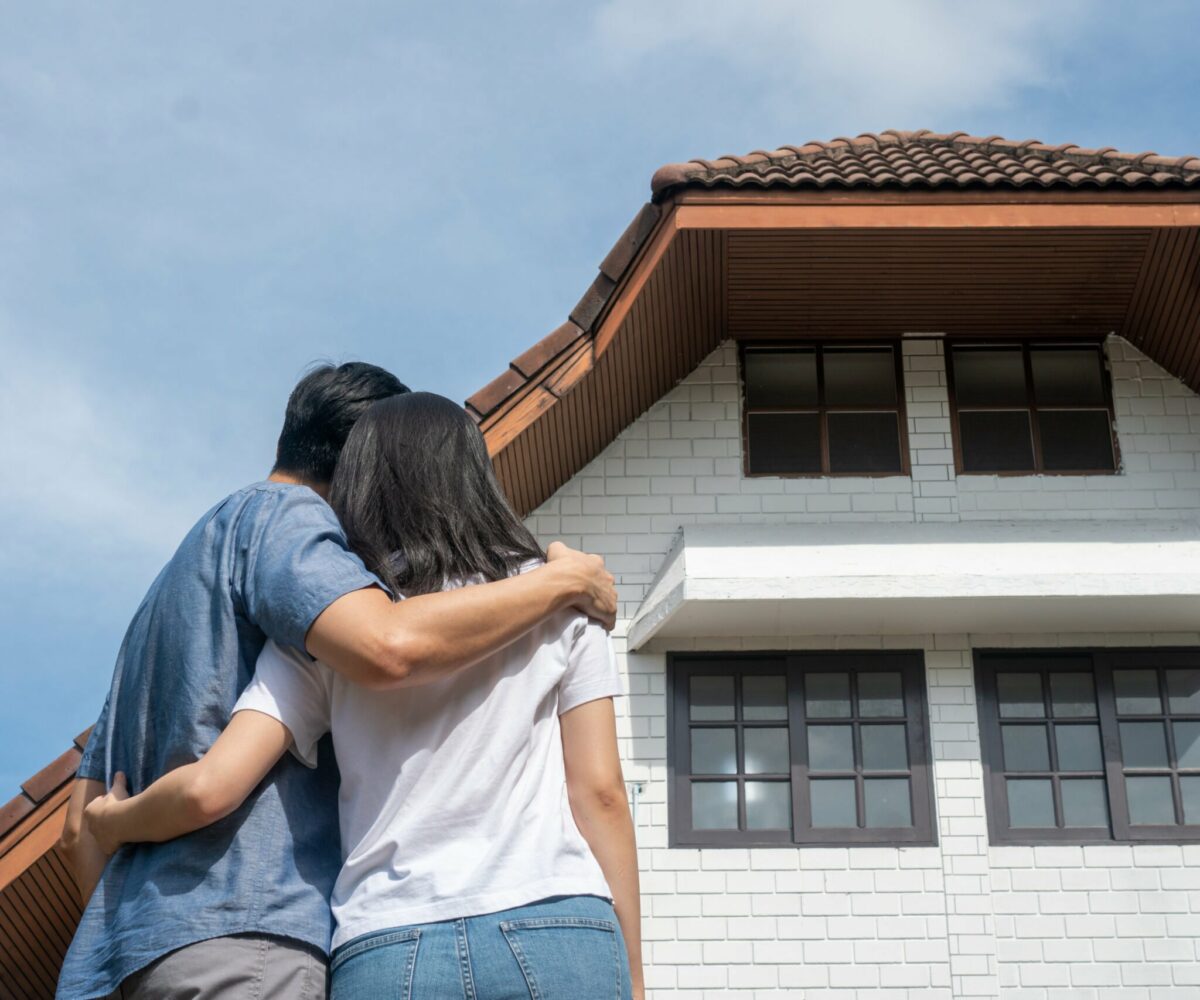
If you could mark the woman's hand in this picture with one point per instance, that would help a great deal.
(101, 813)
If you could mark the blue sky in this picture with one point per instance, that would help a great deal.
(198, 200)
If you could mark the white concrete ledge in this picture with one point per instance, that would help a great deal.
(907, 579)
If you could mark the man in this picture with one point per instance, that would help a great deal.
(240, 908)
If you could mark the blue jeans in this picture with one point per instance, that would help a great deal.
(565, 948)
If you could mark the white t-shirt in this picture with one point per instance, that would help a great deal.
(453, 800)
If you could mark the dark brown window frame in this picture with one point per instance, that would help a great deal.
(1103, 661)
(1032, 406)
(911, 665)
(822, 408)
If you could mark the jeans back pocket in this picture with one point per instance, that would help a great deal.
(568, 958)
(377, 966)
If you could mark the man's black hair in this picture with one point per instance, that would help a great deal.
(322, 410)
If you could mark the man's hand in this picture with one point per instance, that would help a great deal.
(593, 585)
(99, 817)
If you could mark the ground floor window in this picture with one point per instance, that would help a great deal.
(1083, 746)
(804, 748)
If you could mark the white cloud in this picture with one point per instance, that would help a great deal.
(91, 476)
(918, 59)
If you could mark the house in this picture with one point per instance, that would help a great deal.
(893, 445)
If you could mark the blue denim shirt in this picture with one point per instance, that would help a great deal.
(266, 561)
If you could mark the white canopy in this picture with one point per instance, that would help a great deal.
(903, 579)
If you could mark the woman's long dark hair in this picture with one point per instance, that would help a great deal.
(417, 497)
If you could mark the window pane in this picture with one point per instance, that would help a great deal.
(1084, 802)
(714, 751)
(712, 699)
(880, 694)
(1143, 744)
(764, 698)
(884, 748)
(1020, 696)
(1137, 692)
(1078, 748)
(766, 751)
(781, 378)
(1150, 801)
(827, 696)
(887, 802)
(714, 805)
(1187, 743)
(1183, 691)
(1072, 695)
(1030, 802)
(860, 376)
(1073, 440)
(864, 442)
(989, 377)
(784, 442)
(768, 805)
(1189, 786)
(1025, 748)
(1067, 376)
(830, 748)
(833, 802)
(995, 440)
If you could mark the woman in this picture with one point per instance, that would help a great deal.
(484, 822)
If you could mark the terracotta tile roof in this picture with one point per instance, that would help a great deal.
(920, 159)
(925, 159)
(42, 785)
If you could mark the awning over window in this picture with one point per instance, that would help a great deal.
(905, 579)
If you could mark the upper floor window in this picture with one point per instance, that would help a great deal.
(813, 410)
(1024, 408)
(1091, 745)
(798, 748)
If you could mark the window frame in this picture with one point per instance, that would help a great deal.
(821, 408)
(909, 663)
(1032, 406)
(1103, 661)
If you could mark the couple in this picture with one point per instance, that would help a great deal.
(479, 845)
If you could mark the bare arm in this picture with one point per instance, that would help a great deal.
(83, 854)
(195, 795)
(596, 789)
(379, 644)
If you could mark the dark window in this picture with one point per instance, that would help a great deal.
(1091, 745)
(822, 410)
(1028, 407)
(800, 748)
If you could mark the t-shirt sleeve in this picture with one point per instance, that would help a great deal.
(93, 765)
(290, 686)
(591, 667)
(297, 564)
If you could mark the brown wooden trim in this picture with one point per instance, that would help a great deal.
(624, 296)
(936, 216)
(36, 839)
(912, 196)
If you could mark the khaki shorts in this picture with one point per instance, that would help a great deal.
(249, 966)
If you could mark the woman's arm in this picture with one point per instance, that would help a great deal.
(596, 789)
(85, 859)
(195, 795)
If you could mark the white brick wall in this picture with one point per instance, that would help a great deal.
(957, 920)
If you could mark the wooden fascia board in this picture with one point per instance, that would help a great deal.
(979, 215)
(501, 430)
(626, 294)
(37, 834)
(899, 196)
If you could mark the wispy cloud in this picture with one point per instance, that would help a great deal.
(886, 59)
